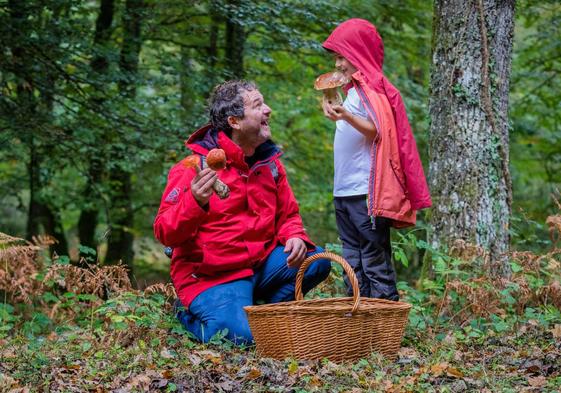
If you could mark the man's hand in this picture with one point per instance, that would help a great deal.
(297, 248)
(201, 186)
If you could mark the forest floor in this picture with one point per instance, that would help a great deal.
(65, 328)
(114, 349)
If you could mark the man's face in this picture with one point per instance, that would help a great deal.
(344, 66)
(253, 129)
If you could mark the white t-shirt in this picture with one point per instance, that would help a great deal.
(351, 152)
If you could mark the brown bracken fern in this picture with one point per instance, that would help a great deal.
(19, 266)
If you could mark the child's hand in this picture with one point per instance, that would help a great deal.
(335, 112)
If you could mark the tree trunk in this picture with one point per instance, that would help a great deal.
(469, 174)
(235, 42)
(35, 111)
(211, 55)
(120, 242)
(87, 223)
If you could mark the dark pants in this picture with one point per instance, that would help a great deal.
(221, 307)
(367, 248)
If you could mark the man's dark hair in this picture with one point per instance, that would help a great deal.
(226, 100)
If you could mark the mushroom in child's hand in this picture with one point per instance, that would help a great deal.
(219, 186)
(329, 83)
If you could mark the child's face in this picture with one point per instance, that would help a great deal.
(344, 66)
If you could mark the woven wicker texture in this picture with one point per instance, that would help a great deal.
(336, 328)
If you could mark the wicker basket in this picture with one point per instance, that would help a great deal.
(336, 328)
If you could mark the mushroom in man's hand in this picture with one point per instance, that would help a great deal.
(216, 160)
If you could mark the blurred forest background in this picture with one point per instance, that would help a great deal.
(96, 99)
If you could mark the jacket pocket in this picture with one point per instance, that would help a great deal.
(218, 259)
(399, 176)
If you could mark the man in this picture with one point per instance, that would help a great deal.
(229, 253)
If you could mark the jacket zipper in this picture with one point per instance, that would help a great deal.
(259, 164)
(372, 183)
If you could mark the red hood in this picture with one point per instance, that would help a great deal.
(360, 43)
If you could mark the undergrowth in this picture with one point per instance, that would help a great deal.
(74, 329)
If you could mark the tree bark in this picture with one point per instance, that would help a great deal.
(89, 216)
(468, 142)
(121, 219)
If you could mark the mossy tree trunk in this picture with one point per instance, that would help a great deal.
(468, 142)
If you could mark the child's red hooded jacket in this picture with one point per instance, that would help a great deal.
(397, 184)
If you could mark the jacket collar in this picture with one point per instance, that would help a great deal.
(207, 138)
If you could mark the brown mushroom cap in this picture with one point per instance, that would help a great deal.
(191, 161)
(330, 80)
(216, 159)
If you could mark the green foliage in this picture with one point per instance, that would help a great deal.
(7, 319)
(535, 115)
(130, 310)
(91, 123)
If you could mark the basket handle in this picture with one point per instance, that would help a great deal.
(335, 258)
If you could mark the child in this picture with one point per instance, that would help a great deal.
(379, 180)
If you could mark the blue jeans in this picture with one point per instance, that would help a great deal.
(221, 307)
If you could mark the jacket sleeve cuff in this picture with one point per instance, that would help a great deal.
(192, 209)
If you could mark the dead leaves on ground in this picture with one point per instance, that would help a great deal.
(527, 361)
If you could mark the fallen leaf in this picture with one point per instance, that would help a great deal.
(315, 381)
(407, 351)
(166, 354)
(194, 359)
(7, 381)
(158, 383)
(553, 265)
(253, 374)
(454, 372)
(388, 385)
(537, 382)
(214, 357)
(556, 331)
(438, 369)
(226, 385)
(72, 367)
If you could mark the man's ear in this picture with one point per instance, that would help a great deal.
(234, 122)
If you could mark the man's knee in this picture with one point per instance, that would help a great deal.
(237, 325)
(323, 267)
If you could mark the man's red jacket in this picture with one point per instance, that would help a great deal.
(235, 235)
